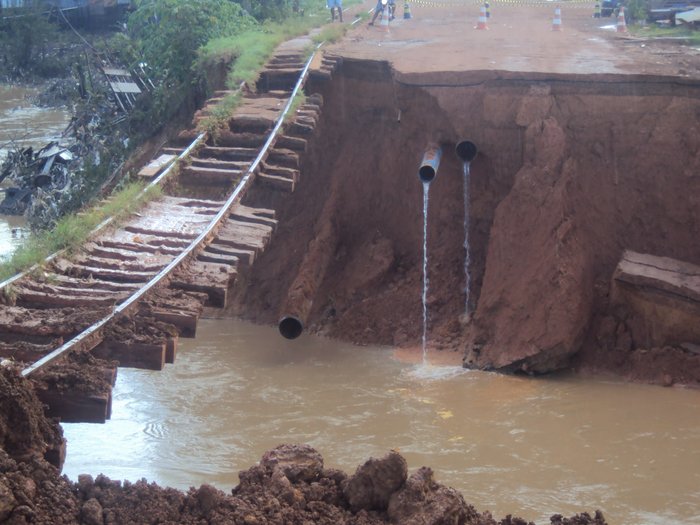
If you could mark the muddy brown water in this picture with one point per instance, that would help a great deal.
(526, 446)
(23, 124)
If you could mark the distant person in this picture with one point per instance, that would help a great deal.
(333, 5)
(388, 5)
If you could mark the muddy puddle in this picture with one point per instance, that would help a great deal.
(23, 124)
(509, 444)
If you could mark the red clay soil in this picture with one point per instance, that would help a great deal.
(289, 486)
(579, 160)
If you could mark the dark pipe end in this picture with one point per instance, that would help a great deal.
(466, 150)
(290, 327)
(426, 173)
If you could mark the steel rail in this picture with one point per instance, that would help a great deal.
(237, 193)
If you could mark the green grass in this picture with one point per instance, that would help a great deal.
(685, 33)
(248, 51)
(73, 230)
(331, 33)
(299, 99)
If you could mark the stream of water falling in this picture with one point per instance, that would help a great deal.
(426, 188)
(467, 256)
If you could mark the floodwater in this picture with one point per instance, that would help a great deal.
(22, 124)
(531, 447)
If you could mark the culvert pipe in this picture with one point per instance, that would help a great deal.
(430, 163)
(466, 150)
(312, 271)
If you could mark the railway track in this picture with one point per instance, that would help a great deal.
(138, 286)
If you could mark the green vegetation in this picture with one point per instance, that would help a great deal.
(247, 52)
(164, 36)
(691, 36)
(331, 33)
(298, 100)
(72, 230)
(635, 10)
(31, 45)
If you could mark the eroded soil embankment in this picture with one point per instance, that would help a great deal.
(572, 170)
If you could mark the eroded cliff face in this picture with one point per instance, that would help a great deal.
(571, 171)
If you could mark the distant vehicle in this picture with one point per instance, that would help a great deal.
(691, 17)
(668, 10)
(608, 7)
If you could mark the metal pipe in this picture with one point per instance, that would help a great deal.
(290, 327)
(302, 292)
(466, 150)
(319, 254)
(430, 163)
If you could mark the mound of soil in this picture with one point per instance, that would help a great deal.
(25, 432)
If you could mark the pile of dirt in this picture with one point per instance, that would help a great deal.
(25, 432)
(288, 487)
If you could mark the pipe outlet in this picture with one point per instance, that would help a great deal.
(430, 163)
(290, 327)
(466, 150)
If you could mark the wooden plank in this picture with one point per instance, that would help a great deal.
(202, 175)
(55, 299)
(154, 167)
(277, 182)
(72, 406)
(171, 350)
(218, 258)
(185, 322)
(125, 87)
(122, 276)
(245, 257)
(114, 72)
(210, 278)
(660, 273)
(27, 352)
(149, 356)
(77, 283)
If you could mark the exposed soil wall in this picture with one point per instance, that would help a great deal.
(571, 171)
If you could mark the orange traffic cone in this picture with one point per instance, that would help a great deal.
(621, 25)
(482, 19)
(556, 23)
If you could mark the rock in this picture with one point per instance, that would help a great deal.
(579, 519)
(7, 501)
(209, 498)
(91, 513)
(374, 482)
(297, 462)
(86, 486)
(422, 501)
(283, 489)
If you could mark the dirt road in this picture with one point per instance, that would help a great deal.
(441, 36)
